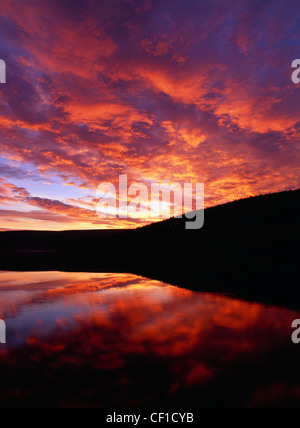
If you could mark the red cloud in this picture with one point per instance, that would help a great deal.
(97, 91)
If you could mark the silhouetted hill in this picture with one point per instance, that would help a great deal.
(247, 248)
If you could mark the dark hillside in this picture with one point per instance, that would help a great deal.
(248, 248)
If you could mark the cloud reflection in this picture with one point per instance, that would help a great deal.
(120, 340)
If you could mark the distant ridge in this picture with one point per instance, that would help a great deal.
(249, 248)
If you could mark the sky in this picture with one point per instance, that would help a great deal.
(165, 91)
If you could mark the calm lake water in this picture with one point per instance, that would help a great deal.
(118, 340)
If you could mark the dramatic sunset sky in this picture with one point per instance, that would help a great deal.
(162, 90)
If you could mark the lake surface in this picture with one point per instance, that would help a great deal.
(118, 340)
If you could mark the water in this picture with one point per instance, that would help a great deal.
(118, 340)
